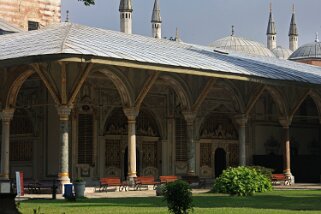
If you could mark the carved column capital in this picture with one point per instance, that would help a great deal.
(131, 113)
(64, 112)
(285, 121)
(241, 119)
(189, 117)
(7, 115)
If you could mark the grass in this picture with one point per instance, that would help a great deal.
(300, 201)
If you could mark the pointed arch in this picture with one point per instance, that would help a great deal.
(315, 96)
(278, 99)
(15, 87)
(122, 85)
(230, 86)
(180, 88)
(276, 95)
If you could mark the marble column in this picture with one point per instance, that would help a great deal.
(131, 114)
(285, 123)
(190, 117)
(6, 117)
(63, 175)
(241, 121)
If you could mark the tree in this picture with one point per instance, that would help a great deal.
(88, 2)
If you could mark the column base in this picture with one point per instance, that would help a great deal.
(289, 174)
(4, 177)
(131, 179)
(62, 182)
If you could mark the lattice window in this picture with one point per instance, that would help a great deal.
(21, 129)
(206, 154)
(112, 153)
(21, 150)
(234, 154)
(149, 154)
(181, 140)
(85, 138)
(145, 124)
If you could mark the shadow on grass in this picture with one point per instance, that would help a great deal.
(285, 200)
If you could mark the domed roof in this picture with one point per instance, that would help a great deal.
(239, 44)
(308, 51)
(282, 53)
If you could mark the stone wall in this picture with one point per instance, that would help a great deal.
(19, 12)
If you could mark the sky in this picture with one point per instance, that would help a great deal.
(204, 21)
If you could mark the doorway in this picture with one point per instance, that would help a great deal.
(220, 161)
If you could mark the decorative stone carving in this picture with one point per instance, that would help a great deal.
(150, 171)
(113, 172)
(216, 126)
(181, 167)
(206, 172)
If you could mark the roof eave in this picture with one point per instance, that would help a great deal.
(147, 66)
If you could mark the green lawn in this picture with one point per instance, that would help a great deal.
(300, 201)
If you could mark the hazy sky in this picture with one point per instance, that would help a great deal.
(204, 21)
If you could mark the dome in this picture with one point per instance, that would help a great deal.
(307, 51)
(282, 53)
(234, 43)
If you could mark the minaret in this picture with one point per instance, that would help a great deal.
(156, 21)
(293, 33)
(271, 32)
(126, 10)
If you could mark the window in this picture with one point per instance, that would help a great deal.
(33, 25)
(85, 138)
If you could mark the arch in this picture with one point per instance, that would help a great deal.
(147, 124)
(278, 99)
(317, 100)
(123, 87)
(230, 86)
(180, 88)
(15, 88)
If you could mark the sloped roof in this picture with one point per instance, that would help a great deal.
(6, 26)
(68, 40)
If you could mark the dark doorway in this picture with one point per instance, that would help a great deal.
(126, 163)
(220, 161)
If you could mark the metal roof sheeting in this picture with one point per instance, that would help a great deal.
(67, 38)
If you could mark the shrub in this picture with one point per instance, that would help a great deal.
(179, 197)
(265, 171)
(242, 181)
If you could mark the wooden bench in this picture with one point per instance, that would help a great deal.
(145, 181)
(278, 178)
(38, 186)
(164, 179)
(104, 183)
(194, 179)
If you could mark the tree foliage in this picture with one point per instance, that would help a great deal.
(88, 2)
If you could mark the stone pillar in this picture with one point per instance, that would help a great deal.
(241, 121)
(131, 114)
(6, 117)
(285, 123)
(63, 175)
(190, 117)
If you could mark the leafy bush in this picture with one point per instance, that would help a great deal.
(265, 171)
(179, 197)
(242, 181)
